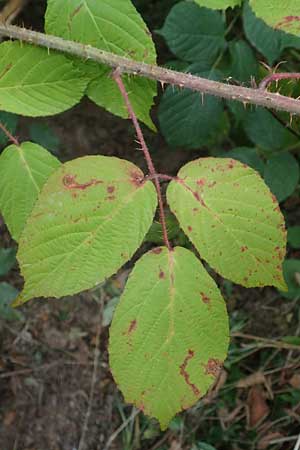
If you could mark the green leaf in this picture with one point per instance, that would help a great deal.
(7, 260)
(293, 236)
(291, 270)
(282, 16)
(7, 295)
(35, 82)
(155, 234)
(294, 340)
(265, 39)
(282, 175)
(91, 216)
(182, 113)
(218, 4)
(244, 66)
(168, 366)
(114, 26)
(23, 171)
(194, 34)
(247, 155)
(266, 132)
(232, 219)
(104, 92)
(10, 121)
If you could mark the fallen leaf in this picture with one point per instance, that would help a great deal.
(265, 441)
(294, 381)
(257, 406)
(252, 380)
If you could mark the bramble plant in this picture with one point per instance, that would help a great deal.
(77, 223)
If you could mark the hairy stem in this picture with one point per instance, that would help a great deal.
(242, 94)
(153, 174)
(277, 77)
(9, 135)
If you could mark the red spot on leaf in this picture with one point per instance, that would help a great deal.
(231, 164)
(156, 250)
(186, 375)
(213, 367)
(201, 182)
(205, 298)
(69, 181)
(136, 178)
(162, 274)
(132, 326)
(110, 189)
(287, 21)
(190, 228)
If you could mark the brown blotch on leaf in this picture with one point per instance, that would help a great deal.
(231, 164)
(110, 189)
(205, 298)
(156, 250)
(5, 70)
(162, 274)
(69, 181)
(287, 21)
(186, 375)
(213, 367)
(76, 11)
(190, 228)
(244, 248)
(136, 178)
(132, 326)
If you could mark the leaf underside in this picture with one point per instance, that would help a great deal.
(24, 170)
(233, 220)
(90, 218)
(159, 364)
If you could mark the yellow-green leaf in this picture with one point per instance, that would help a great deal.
(231, 217)
(169, 334)
(91, 216)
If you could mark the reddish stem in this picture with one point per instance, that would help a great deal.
(276, 77)
(161, 176)
(153, 174)
(9, 135)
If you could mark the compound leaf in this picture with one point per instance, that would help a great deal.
(91, 216)
(114, 26)
(194, 34)
(175, 337)
(232, 218)
(280, 15)
(23, 171)
(34, 82)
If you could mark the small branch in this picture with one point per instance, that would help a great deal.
(9, 135)
(267, 342)
(239, 93)
(117, 77)
(276, 77)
